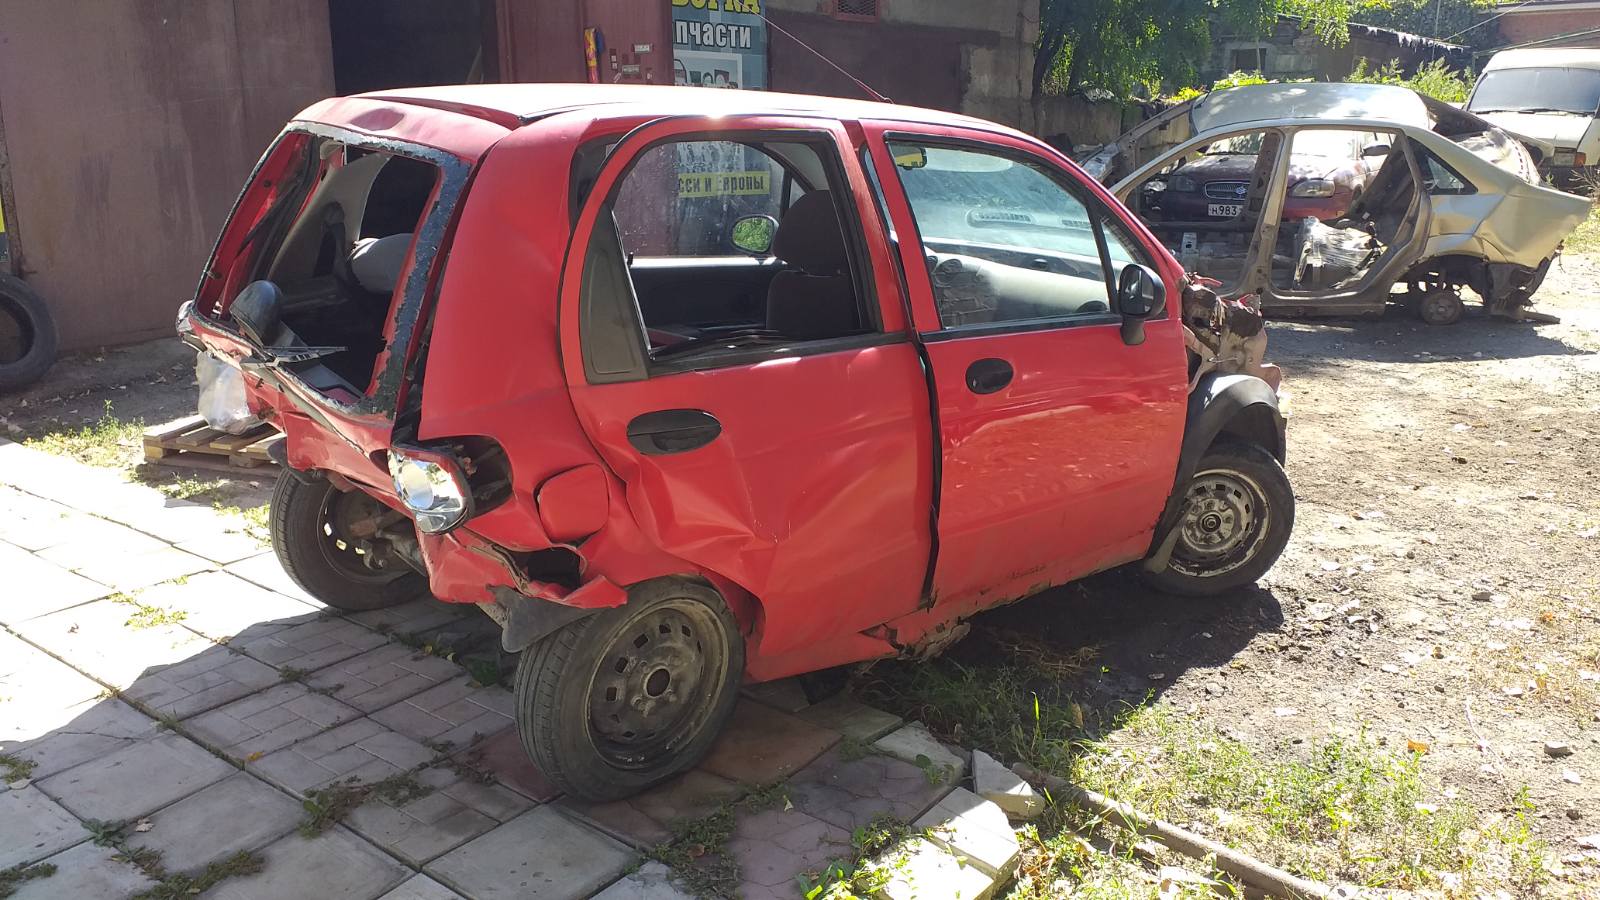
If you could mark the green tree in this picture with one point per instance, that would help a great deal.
(1457, 21)
(1124, 45)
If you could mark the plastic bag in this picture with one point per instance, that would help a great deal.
(222, 398)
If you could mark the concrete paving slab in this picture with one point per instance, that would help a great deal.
(98, 639)
(504, 756)
(92, 729)
(306, 645)
(421, 887)
(37, 587)
(850, 792)
(32, 827)
(457, 712)
(784, 695)
(653, 881)
(136, 780)
(360, 749)
(775, 845)
(34, 523)
(915, 744)
(540, 854)
(210, 678)
(264, 570)
(86, 871)
(383, 676)
(456, 810)
(272, 719)
(415, 616)
(925, 871)
(334, 865)
(646, 820)
(851, 718)
(973, 829)
(223, 547)
(37, 693)
(762, 745)
(126, 568)
(1004, 788)
(222, 606)
(239, 812)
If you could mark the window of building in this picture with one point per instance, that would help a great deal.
(856, 10)
(1248, 59)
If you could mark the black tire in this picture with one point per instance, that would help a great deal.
(319, 560)
(27, 335)
(575, 686)
(1238, 518)
(1440, 307)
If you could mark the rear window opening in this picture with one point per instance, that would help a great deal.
(336, 239)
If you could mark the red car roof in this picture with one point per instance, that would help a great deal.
(510, 105)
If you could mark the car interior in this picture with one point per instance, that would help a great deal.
(334, 247)
(680, 211)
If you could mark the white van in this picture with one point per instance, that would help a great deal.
(1550, 95)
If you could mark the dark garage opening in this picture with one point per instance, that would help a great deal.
(381, 44)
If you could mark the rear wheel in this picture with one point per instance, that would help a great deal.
(1237, 518)
(27, 335)
(629, 697)
(315, 530)
(1440, 306)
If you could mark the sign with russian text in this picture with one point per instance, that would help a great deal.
(719, 43)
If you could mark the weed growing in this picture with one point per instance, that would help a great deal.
(16, 876)
(698, 850)
(326, 807)
(109, 442)
(16, 768)
(182, 887)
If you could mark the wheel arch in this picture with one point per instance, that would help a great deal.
(1241, 407)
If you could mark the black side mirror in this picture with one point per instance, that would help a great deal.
(1140, 294)
(256, 311)
(1373, 151)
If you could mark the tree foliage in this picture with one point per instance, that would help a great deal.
(1125, 45)
(1436, 79)
(1457, 21)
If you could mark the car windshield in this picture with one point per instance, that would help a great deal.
(1557, 90)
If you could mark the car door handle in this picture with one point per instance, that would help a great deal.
(988, 375)
(673, 431)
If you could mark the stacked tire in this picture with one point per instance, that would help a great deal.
(27, 335)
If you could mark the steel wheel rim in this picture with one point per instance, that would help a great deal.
(1437, 306)
(340, 508)
(658, 683)
(1225, 519)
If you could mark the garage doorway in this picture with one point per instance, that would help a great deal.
(383, 44)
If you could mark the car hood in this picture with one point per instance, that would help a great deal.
(1240, 166)
(1558, 128)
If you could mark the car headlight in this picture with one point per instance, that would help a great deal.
(1313, 187)
(432, 486)
(1182, 183)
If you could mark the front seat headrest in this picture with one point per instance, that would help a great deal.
(809, 237)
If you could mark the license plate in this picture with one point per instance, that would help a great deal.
(1224, 210)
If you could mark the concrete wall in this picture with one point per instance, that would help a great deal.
(971, 57)
(1293, 53)
(129, 130)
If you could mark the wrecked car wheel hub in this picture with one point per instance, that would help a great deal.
(1222, 525)
(650, 691)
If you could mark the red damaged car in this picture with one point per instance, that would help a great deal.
(1328, 171)
(692, 388)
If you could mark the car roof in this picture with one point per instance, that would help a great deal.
(1545, 57)
(511, 105)
(1308, 100)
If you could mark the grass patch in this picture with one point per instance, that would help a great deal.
(16, 876)
(109, 441)
(181, 887)
(252, 521)
(1587, 238)
(147, 616)
(1344, 809)
(698, 850)
(16, 768)
(326, 807)
(867, 872)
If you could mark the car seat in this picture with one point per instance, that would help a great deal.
(814, 296)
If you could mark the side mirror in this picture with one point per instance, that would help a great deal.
(1373, 151)
(1140, 294)
(754, 234)
(256, 311)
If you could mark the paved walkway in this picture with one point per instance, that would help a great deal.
(161, 672)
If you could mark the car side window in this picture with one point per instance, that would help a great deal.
(1438, 178)
(1004, 240)
(718, 247)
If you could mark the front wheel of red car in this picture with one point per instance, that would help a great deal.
(1236, 521)
(314, 534)
(631, 696)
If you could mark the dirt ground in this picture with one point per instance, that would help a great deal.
(1441, 591)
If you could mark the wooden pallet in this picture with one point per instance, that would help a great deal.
(191, 442)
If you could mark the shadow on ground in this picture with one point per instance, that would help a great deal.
(1307, 345)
